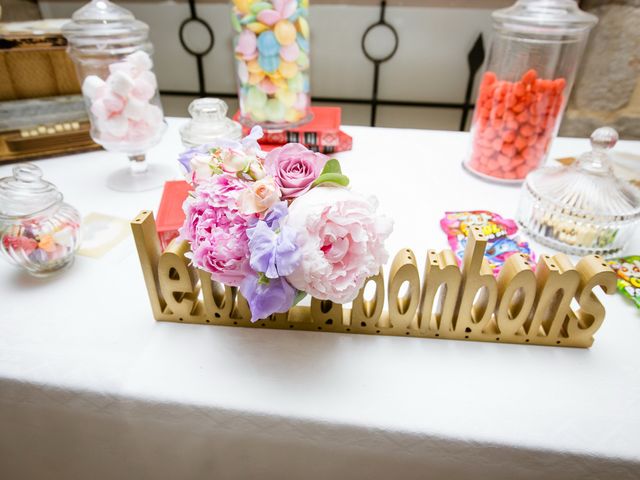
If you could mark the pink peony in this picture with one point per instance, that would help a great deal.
(294, 168)
(217, 230)
(341, 239)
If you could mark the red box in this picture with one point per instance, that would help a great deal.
(170, 215)
(322, 131)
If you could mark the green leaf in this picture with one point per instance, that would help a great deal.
(299, 296)
(262, 279)
(331, 173)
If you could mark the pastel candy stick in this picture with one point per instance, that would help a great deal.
(268, 87)
(258, 7)
(303, 43)
(243, 72)
(268, 17)
(285, 32)
(275, 110)
(296, 83)
(269, 63)
(256, 99)
(290, 53)
(301, 103)
(247, 43)
(287, 97)
(268, 44)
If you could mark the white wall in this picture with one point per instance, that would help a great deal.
(430, 64)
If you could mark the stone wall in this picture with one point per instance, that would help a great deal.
(607, 91)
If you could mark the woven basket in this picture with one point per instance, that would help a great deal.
(34, 66)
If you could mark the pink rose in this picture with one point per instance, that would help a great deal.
(294, 168)
(217, 230)
(259, 196)
(341, 239)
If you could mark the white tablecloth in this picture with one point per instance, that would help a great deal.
(92, 387)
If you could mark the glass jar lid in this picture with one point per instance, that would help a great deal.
(26, 193)
(100, 24)
(209, 122)
(588, 188)
(545, 17)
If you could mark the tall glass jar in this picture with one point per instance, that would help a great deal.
(112, 54)
(531, 66)
(272, 53)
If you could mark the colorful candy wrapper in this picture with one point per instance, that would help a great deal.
(502, 241)
(628, 271)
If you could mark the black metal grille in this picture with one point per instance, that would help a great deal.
(475, 58)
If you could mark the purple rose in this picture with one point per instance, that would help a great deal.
(294, 168)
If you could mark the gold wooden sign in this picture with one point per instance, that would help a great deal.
(466, 303)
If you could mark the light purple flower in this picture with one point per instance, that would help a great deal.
(267, 296)
(274, 215)
(273, 253)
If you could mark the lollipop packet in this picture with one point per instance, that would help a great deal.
(501, 233)
(628, 271)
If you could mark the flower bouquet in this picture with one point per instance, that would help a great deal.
(280, 225)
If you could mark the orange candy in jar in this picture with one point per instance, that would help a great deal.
(535, 53)
(514, 123)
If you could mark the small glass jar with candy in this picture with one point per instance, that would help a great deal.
(272, 53)
(38, 231)
(530, 69)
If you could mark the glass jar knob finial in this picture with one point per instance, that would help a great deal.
(27, 173)
(205, 109)
(597, 160)
(604, 138)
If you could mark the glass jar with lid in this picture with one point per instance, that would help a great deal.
(582, 208)
(38, 231)
(209, 122)
(112, 54)
(530, 69)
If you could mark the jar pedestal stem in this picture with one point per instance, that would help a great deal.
(139, 176)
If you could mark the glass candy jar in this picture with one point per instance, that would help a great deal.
(535, 53)
(112, 54)
(38, 231)
(209, 122)
(272, 53)
(582, 208)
